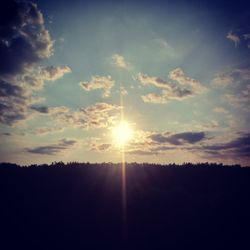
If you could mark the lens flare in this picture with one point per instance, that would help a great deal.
(122, 133)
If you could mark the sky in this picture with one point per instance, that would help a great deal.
(178, 71)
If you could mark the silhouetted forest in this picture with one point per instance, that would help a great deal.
(79, 206)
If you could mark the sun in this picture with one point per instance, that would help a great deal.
(122, 133)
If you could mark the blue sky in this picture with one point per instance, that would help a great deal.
(182, 69)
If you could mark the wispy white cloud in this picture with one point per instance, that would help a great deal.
(123, 91)
(120, 62)
(162, 43)
(220, 110)
(233, 37)
(222, 80)
(163, 49)
(155, 98)
(232, 78)
(246, 36)
(48, 130)
(240, 100)
(99, 82)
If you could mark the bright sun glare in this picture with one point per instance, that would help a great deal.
(122, 133)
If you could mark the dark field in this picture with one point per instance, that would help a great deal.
(79, 206)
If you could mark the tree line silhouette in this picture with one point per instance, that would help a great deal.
(79, 206)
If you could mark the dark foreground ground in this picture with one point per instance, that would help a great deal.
(79, 206)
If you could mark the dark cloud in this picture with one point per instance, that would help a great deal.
(53, 149)
(50, 110)
(23, 37)
(24, 42)
(6, 134)
(95, 146)
(14, 100)
(239, 144)
(180, 138)
(17, 99)
(141, 152)
(163, 148)
(41, 109)
(181, 93)
(150, 150)
(8, 89)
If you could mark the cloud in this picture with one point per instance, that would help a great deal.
(100, 147)
(233, 37)
(53, 149)
(52, 73)
(246, 36)
(162, 49)
(99, 82)
(223, 80)
(236, 39)
(17, 97)
(163, 148)
(24, 39)
(179, 76)
(239, 100)
(231, 78)
(50, 110)
(183, 87)
(151, 143)
(237, 94)
(220, 110)
(238, 147)
(6, 134)
(120, 62)
(140, 152)
(194, 143)
(243, 74)
(123, 91)
(152, 80)
(35, 79)
(99, 115)
(14, 102)
(166, 96)
(41, 109)
(180, 138)
(48, 130)
(154, 98)
(163, 43)
(24, 42)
